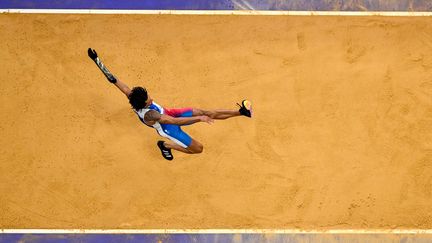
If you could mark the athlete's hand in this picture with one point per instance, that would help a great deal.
(206, 119)
(92, 54)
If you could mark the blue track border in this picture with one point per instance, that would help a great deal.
(278, 5)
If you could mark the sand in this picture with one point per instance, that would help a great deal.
(341, 135)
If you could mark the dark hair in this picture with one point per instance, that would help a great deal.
(138, 98)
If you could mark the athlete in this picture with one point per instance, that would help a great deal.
(168, 122)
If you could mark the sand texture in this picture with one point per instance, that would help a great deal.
(341, 135)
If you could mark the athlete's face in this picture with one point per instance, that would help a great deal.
(149, 101)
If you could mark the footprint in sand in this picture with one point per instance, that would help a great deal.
(301, 42)
(354, 52)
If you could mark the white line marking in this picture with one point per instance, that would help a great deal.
(213, 231)
(216, 12)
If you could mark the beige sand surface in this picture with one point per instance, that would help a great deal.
(341, 138)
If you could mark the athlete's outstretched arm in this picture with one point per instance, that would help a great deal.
(165, 119)
(123, 87)
(111, 78)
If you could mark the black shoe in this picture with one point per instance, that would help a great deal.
(245, 108)
(166, 152)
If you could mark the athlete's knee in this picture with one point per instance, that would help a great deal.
(197, 112)
(198, 148)
(211, 114)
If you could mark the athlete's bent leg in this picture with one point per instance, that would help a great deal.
(194, 148)
(219, 114)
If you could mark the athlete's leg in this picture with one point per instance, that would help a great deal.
(219, 114)
(180, 140)
(194, 148)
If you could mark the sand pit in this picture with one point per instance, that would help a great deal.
(341, 136)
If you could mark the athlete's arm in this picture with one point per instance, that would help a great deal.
(111, 78)
(123, 87)
(165, 119)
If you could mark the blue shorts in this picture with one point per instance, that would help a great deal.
(174, 132)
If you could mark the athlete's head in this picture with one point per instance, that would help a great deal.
(138, 98)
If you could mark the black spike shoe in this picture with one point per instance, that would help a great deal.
(245, 108)
(166, 152)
